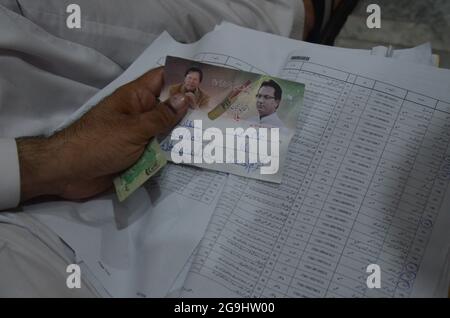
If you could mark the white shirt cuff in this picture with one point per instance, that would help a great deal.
(9, 174)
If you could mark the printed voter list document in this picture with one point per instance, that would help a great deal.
(138, 248)
(366, 182)
(240, 48)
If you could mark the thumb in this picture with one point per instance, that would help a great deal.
(153, 80)
(162, 118)
(140, 95)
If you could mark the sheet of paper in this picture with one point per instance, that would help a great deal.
(177, 287)
(137, 248)
(421, 54)
(365, 183)
(182, 199)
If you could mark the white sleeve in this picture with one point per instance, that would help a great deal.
(9, 174)
(122, 37)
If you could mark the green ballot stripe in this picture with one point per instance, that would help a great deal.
(151, 161)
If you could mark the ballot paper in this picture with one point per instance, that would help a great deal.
(364, 182)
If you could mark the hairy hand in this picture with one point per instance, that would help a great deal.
(83, 159)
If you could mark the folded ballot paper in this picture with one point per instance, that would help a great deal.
(363, 185)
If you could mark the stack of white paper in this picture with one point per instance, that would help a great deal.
(365, 182)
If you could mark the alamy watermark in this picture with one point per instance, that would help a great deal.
(374, 279)
(238, 146)
(74, 278)
(73, 20)
(374, 19)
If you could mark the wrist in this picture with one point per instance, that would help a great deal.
(41, 171)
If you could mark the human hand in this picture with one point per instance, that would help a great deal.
(83, 159)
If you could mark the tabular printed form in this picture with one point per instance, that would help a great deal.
(365, 178)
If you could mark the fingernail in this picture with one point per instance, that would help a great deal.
(177, 102)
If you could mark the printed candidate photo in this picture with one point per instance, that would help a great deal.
(225, 93)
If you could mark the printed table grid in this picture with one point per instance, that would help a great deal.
(358, 143)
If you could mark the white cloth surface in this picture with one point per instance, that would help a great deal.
(47, 71)
(33, 261)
